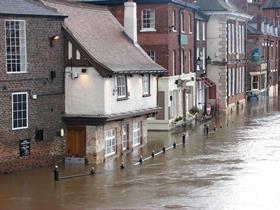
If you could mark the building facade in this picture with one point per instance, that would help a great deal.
(166, 33)
(226, 46)
(110, 83)
(31, 86)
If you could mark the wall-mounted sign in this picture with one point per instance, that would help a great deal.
(255, 55)
(208, 109)
(24, 147)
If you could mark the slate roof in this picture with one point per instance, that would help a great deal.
(99, 32)
(216, 5)
(252, 31)
(26, 7)
(272, 4)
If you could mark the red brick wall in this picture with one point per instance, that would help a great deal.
(163, 41)
(44, 112)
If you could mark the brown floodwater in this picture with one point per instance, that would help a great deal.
(236, 167)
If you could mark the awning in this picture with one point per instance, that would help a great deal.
(207, 82)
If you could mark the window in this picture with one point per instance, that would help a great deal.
(136, 134)
(232, 81)
(197, 56)
(240, 39)
(124, 136)
(78, 55)
(243, 79)
(203, 31)
(229, 82)
(15, 46)
(152, 54)
(232, 38)
(203, 58)
(20, 110)
(110, 142)
(182, 61)
(237, 38)
(146, 85)
(229, 38)
(197, 30)
(190, 60)
(182, 20)
(121, 86)
(174, 28)
(174, 62)
(255, 82)
(70, 51)
(148, 19)
(190, 23)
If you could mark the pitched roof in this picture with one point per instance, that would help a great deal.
(272, 4)
(102, 36)
(253, 31)
(216, 5)
(26, 7)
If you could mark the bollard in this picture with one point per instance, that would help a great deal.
(184, 139)
(122, 165)
(141, 160)
(174, 145)
(92, 171)
(215, 128)
(56, 173)
(153, 154)
(221, 126)
(163, 149)
(207, 129)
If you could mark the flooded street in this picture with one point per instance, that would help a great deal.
(236, 167)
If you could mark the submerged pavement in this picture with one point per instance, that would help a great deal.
(236, 167)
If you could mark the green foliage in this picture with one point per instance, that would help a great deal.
(178, 119)
(194, 110)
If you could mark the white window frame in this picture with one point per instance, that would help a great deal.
(110, 142)
(197, 56)
(240, 39)
(152, 54)
(190, 24)
(174, 28)
(243, 38)
(136, 134)
(197, 30)
(26, 109)
(229, 82)
(78, 55)
(182, 61)
(237, 38)
(190, 60)
(146, 84)
(203, 31)
(174, 62)
(182, 21)
(232, 38)
(258, 82)
(233, 81)
(150, 20)
(203, 58)
(243, 79)
(121, 86)
(124, 136)
(229, 38)
(22, 47)
(70, 51)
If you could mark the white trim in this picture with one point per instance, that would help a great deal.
(136, 130)
(110, 138)
(20, 128)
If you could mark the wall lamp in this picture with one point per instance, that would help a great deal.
(53, 38)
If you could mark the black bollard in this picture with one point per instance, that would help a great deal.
(56, 173)
(92, 171)
(153, 154)
(174, 145)
(122, 165)
(207, 129)
(215, 128)
(184, 139)
(221, 126)
(141, 160)
(163, 149)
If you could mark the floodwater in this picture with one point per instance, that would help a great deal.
(236, 167)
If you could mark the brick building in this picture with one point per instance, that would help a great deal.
(31, 85)
(226, 46)
(166, 33)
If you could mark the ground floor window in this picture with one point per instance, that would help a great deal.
(124, 136)
(110, 142)
(136, 134)
(255, 82)
(20, 110)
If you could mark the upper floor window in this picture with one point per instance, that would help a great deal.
(190, 23)
(197, 30)
(121, 86)
(146, 85)
(152, 54)
(182, 21)
(15, 46)
(148, 19)
(20, 110)
(173, 62)
(203, 31)
(174, 28)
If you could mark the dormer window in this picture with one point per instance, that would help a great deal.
(121, 87)
(148, 20)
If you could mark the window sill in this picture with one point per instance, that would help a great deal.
(21, 128)
(148, 30)
(146, 95)
(19, 72)
(122, 98)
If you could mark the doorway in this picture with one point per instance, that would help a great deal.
(76, 142)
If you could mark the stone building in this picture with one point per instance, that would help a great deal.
(226, 46)
(110, 82)
(166, 32)
(31, 85)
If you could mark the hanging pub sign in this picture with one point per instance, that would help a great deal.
(255, 55)
(24, 147)
(208, 109)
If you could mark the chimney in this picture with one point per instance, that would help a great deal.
(130, 20)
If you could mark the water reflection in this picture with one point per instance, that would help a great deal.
(236, 167)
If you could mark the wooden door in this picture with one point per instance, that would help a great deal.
(76, 142)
